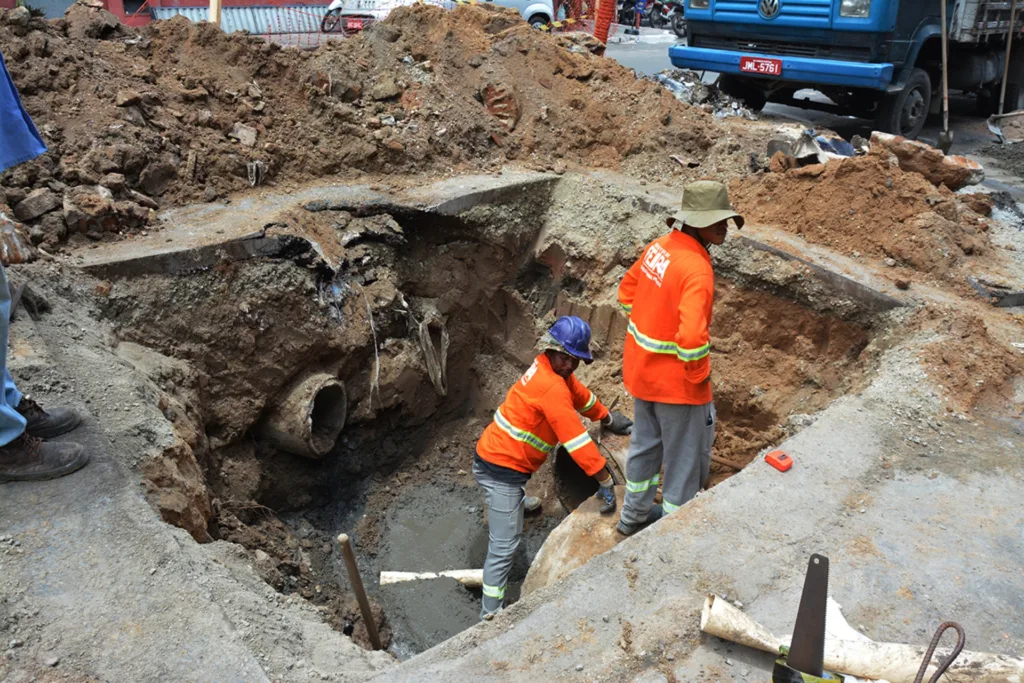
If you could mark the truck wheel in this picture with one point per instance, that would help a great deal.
(905, 112)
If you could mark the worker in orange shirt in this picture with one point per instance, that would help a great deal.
(539, 411)
(667, 295)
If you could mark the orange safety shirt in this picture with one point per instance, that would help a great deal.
(539, 411)
(667, 295)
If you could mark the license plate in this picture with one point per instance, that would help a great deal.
(760, 65)
(354, 24)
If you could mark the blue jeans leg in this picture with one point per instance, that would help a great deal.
(12, 424)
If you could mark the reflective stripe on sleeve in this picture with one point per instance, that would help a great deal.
(577, 443)
(590, 403)
(521, 435)
(666, 347)
(641, 486)
(628, 308)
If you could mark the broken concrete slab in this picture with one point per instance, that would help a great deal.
(246, 135)
(38, 202)
(954, 172)
(199, 236)
(999, 294)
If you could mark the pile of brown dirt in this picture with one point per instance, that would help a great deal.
(970, 365)
(867, 205)
(180, 112)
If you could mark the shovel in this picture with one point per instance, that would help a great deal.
(946, 136)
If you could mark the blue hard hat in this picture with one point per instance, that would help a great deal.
(573, 334)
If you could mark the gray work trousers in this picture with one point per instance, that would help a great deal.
(504, 528)
(678, 436)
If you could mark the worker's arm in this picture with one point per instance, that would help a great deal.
(693, 337)
(560, 414)
(627, 288)
(585, 401)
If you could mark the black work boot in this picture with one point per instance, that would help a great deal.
(46, 424)
(30, 459)
(628, 529)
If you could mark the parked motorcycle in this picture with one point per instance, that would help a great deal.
(350, 23)
(625, 12)
(653, 13)
(672, 16)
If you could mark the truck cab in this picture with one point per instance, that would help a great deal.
(877, 59)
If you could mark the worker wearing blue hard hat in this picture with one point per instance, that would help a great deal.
(540, 410)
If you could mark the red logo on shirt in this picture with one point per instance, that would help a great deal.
(656, 262)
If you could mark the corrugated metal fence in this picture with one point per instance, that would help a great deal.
(284, 19)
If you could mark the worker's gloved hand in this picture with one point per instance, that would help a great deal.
(606, 493)
(617, 423)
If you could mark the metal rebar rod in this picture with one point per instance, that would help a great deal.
(1006, 64)
(357, 586)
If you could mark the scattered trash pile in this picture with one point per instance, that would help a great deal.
(892, 199)
(687, 87)
(179, 112)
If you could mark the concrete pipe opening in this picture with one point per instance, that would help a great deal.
(309, 416)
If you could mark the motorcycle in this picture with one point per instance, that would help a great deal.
(334, 21)
(653, 13)
(672, 15)
(625, 12)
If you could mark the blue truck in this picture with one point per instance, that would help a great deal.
(874, 59)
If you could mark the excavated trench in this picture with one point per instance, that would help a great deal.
(400, 341)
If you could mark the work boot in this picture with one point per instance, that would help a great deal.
(531, 504)
(44, 424)
(628, 529)
(30, 459)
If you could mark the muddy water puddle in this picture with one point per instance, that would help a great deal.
(431, 530)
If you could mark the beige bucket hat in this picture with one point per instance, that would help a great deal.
(705, 202)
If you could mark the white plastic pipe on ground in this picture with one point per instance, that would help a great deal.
(864, 658)
(471, 578)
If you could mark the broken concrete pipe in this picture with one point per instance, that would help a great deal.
(309, 416)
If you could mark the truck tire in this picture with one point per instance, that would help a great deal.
(1014, 82)
(905, 112)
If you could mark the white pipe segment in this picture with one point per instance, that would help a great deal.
(471, 578)
(864, 658)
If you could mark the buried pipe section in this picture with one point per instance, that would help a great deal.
(308, 417)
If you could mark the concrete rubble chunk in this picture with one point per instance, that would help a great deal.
(246, 135)
(85, 20)
(114, 182)
(157, 176)
(385, 89)
(36, 204)
(501, 103)
(954, 172)
(19, 16)
(88, 207)
(127, 98)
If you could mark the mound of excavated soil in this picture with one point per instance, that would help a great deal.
(180, 112)
(969, 363)
(869, 206)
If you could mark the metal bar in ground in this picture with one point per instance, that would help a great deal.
(357, 586)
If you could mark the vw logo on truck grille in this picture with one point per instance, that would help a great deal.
(769, 8)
